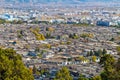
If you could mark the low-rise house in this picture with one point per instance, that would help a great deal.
(32, 53)
(48, 55)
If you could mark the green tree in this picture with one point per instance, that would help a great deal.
(11, 66)
(85, 35)
(34, 70)
(100, 52)
(91, 53)
(112, 39)
(2, 21)
(96, 53)
(81, 77)
(37, 34)
(96, 78)
(70, 36)
(74, 36)
(48, 35)
(118, 49)
(117, 70)
(88, 54)
(118, 65)
(108, 62)
(63, 74)
(94, 58)
(104, 51)
(68, 42)
(82, 58)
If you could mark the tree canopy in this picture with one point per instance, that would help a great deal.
(11, 66)
(63, 74)
(37, 34)
(111, 70)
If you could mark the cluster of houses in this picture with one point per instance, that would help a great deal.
(60, 49)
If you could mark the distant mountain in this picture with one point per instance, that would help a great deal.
(100, 0)
(41, 1)
(62, 1)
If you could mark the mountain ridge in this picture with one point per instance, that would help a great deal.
(62, 1)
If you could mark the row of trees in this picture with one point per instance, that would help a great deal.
(97, 53)
(2, 21)
(73, 36)
(35, 71)
(85, 35)
(37, 34)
